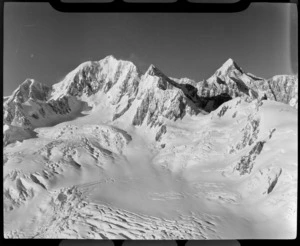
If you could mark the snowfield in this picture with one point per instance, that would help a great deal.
(149, 158)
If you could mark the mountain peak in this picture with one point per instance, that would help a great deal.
(27, 81)
(229, 62)
(30, 83)
(109, 57)
(151, 70)
(228, 65)
(30, 88)
(154, 71)
(114, 62)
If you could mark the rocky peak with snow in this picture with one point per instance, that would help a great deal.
(91, 77)
(283, 88)
(17, 106)
(154, 71)
(228, 67)
(151, 70)
(231, 80)
(30, 89)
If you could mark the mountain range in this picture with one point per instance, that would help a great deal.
(147, 97)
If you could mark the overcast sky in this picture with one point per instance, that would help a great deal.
(44, 44)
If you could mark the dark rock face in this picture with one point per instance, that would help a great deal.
(21, 120)
(162, 130)
(141, 112)
(35, 180)
(15, 133)
(118, 115)
(272, 132)
(107, 87)
(8, 114)
(15, 115)
(257, 148)
(29, 89)
(246, 163)
(212, 103)
(284, 89)
(60, 106)
(220, 81)
(250, 133)
(35, 116)
(162, 84)
(40, 92)
(85, 81)
(241, 86)
(273, 182)
(222, 111)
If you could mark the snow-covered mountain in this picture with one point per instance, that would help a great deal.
(231, 79)
(210, 159)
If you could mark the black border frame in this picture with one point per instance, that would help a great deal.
(180, 6)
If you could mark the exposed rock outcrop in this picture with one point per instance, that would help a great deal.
(246, 162)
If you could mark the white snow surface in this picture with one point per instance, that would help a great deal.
(93, 168)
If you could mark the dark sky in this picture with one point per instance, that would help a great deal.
(44, 44)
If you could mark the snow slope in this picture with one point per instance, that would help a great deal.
(124, 155)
